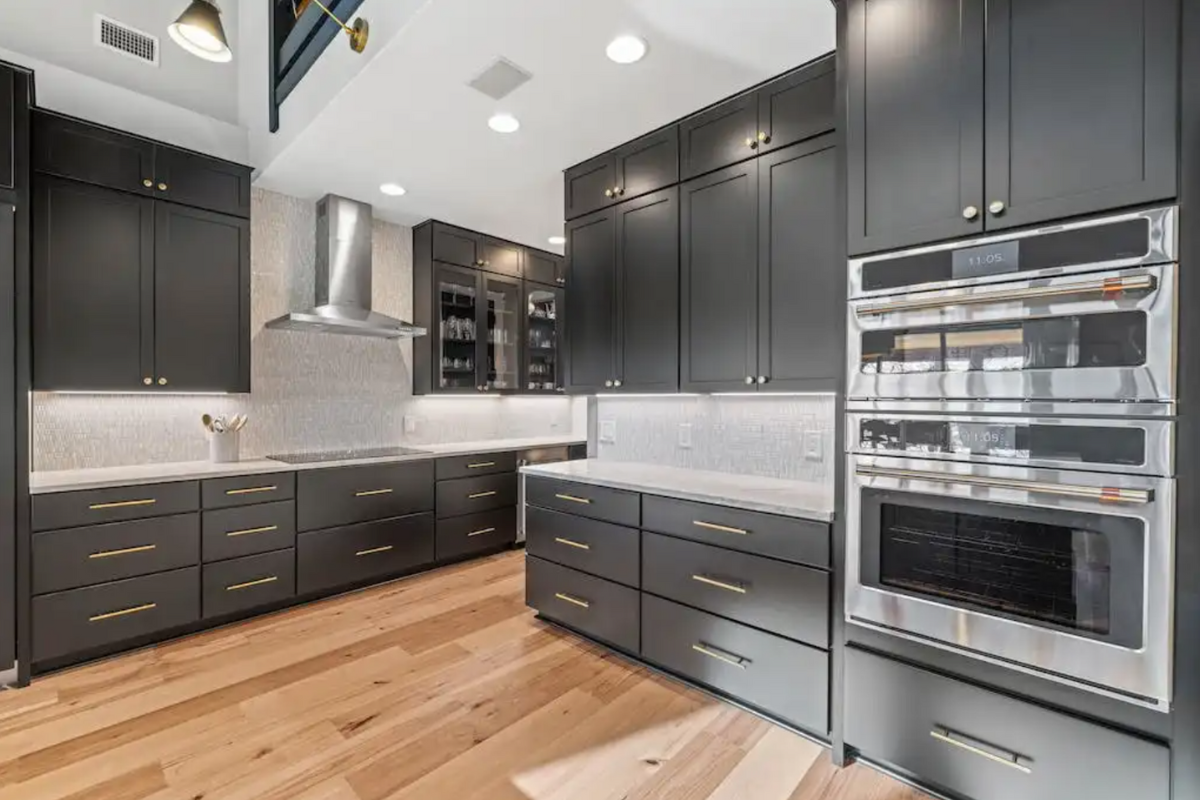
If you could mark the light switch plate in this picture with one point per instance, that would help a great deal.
(608, 431)
(685, 435)
(814, 446)
(410, 424)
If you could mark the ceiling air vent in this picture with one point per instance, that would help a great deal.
(130, 42)
(500, 79)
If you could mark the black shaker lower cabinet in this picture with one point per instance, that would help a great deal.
(363, 553)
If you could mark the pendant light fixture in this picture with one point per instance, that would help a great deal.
(199, 31)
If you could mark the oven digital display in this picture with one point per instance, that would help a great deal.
(984, 439)
(997, 258)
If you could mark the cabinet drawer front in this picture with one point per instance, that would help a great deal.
(786, 599)
(802, 541)
(247, 490)
(585, 500)
(980, 744)
(246, 583)
(360, 553)
(237, 532)
(599, 548)
(470, 495)
(476, 533)
(102, 553)
(783, 678)
(70, 509)
(599, 608)
(329, 497)
(83, 619)
(474, 466)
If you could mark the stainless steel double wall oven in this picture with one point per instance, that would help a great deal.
(1010, 434)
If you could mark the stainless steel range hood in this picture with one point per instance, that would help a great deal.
(343, 302)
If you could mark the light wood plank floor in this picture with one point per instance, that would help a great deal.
(441, 687)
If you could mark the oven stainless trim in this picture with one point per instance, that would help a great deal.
(1152, 381)
(1160, 441)
(1007, 408)
(1130, 674)
(1161, 247)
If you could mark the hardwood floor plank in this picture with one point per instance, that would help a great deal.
(775, 764)
(136, 785)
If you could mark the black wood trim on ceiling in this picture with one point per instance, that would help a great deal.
(299, 51)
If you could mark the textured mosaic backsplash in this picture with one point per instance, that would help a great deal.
(786, 436)
(310, 391)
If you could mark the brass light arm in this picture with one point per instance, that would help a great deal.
(358, 32)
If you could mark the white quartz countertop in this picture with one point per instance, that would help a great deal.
(771, 495)
(69, 480)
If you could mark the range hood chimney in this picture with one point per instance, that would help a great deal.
(343, 301)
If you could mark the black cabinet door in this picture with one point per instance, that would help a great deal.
(499, 256)
(8, 435)
(8, 130)
(93, 287)
(797, 106)
(800, 272)
(201, 300)
(460, 330)
(647, 164)
(455, 246)
(543, 339)
(591, 303)
(647, 242)
(1081, 107)
(74, 149)
(545, 268)
(914, 122)
(504, 323)
(720, 136)
(589, 186)
(194, 180)
(719, 278)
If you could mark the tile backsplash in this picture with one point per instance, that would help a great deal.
(310, 391)
(777, 436)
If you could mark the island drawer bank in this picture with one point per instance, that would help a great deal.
(753, 628)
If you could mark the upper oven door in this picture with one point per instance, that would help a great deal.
(1100, 336)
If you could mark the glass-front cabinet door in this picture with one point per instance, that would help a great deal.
(542, 367)
(500, 323)
(458, 356)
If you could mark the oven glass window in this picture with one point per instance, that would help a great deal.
(1041, 572)
(1098, 340)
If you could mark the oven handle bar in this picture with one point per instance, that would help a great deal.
(1106, 287)
(1101, 494)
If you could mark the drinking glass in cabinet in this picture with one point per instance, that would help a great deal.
(542, 339)
(503, 335)
(457, 326)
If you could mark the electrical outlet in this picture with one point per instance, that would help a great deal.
(814, 446)
(410, 424)
(685, 435)
(608, 431)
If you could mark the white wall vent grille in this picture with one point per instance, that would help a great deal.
(130, 42)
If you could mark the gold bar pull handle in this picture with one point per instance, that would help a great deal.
(480, 532)
(146, 548)
(250, 531)
(478, 495)
(573, 499)
(248, 584)
(122, 504)
(571, 543)
(575, 601)
(729, 587)
(374, 550)
(125, 612)
(721, 655)
(372, 492)
(251, 490)
(481, 465)
(712, 526)
(982, 749)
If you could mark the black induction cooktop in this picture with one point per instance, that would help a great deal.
(347, 455)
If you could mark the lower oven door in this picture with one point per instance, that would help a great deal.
(1064, 574)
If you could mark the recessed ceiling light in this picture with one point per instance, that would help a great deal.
(504, 123)
(392, 189)
(626, 49)
(557, 240)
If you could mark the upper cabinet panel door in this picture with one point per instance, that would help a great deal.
(459, 351)
(591, 303)
(648, 164)
(545, 268)
(194, 180)
(1081, 107)
(719, 278)
(93, 283)
(454, 246)
(93, 154)
(503, 257)
(915, 122)
(589, 186)
(648, 288)
(798, 106)
(800, 300)
(8, 129)
(723, 135)
(201, 300)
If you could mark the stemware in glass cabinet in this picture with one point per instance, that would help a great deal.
(542, 372)
(503, 333)
(458, 320)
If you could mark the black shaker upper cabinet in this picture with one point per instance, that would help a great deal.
(644, 165)
(8, 435)
(8, 128)
(500, 256)
(724, 134)
(455, 246)
(647, 243)
(591, 303)
(914, 121)
(209, 183)
(1080, 107)
(798, 106)
(589, 186)
(75, 149)
(545, 268)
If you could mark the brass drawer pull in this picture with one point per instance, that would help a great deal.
(123, 612)
(574, 499)
(712, 526)
(575, 601)
(249, 531)
(122, 504)
(481, 465)
(248, 584)
(570, 543)
(731, 587)
(127, 551)
(480, 532)
(720, 655)
(251, 490)
(374, 550)
(372, 492)
(946, 736)
(478, 495)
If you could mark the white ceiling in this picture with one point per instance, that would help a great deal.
(408, 116)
